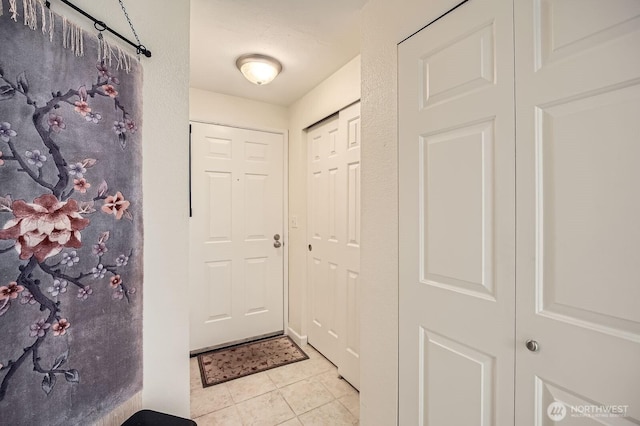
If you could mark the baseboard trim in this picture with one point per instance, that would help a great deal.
(235, 342)
(300, 340)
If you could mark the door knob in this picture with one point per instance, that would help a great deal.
(532, 345)
(277, 244)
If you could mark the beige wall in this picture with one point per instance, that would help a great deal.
(336, 92)
(211, 107)
(384, 24)
(165, 147)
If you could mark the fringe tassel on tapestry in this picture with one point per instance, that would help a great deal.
(13, 9)
(72, 34)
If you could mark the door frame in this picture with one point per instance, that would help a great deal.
(285, 208)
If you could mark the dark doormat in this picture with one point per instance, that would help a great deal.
(222, 365)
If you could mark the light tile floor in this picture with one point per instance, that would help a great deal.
(303, 393)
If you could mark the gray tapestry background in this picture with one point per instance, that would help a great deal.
(87, 293)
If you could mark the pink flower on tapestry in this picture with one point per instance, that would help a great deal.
(10, 291)
(43, 228)
(60, 327)
(110, 90)
(115, 281)
(130, 125)
(116, 205)
(81, 185)
(1, 160)
(82, 108)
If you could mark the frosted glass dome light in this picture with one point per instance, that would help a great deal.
(259, 69)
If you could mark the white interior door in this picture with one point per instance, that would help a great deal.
(236, 272)
(349, 362)
(334, 240)
(578, 144)
(457, 231)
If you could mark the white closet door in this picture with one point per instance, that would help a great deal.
(578, 145)
(325, 177)
(236, 273)
(457, 230)
(349, 362)
(334, 240)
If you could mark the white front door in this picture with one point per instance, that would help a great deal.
(457, 231)
(578, 145)
(236, 272)
(334, 240)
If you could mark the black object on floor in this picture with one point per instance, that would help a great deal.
(154, 418)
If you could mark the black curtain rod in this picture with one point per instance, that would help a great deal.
(101, 26)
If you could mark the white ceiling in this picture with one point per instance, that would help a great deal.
(311, 38)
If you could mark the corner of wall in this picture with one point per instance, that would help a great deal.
(379, 271)
(166, 137)
(299, 339)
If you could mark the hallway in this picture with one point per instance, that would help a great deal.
(304, 393)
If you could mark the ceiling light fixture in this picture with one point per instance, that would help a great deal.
(259, 69)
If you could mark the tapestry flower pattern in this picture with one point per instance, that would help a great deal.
(70, 229)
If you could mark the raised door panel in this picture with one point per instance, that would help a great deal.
(559, 35)
(353, 205)
(255, 204)
(317, 205)
(255, 286)
(457, 209)
(333, 217)
(219, 290)
(448, 367)
(318, 306)
(219, 195)
(331, 294)
(458, 67)
(352, 332)
(587, 171)
(256, 151)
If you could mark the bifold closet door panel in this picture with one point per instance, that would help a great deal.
(578, 146)
(457, 219)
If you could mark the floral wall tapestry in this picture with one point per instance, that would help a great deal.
(70, 221)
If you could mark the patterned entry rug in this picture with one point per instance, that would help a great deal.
(222, 365)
